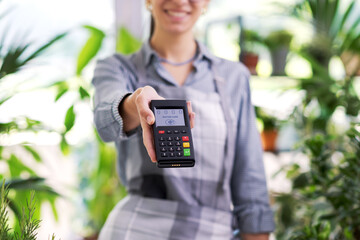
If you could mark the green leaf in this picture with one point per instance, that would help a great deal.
(301, 181)
(4, 100)
(32, 183)
(64, 146)
(69, 118)
(90, 49)
(33, 152)
(16, 167)
(44, 47)
(60, 94)
(17, 183)
(83, 93)
(12, 61)
(126, 43)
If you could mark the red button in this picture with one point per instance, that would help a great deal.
(185, 138)
(161, 132)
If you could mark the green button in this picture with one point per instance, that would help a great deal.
(186, 152)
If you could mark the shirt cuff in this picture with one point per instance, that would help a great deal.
(117, 116)
(255, 219)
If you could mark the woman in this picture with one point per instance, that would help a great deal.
(228, 182)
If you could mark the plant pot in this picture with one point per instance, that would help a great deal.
(93, 237)
(278, 60)
(250, 60)
(268, 139)
(351, 63)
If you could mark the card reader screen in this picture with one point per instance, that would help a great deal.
(169, 117)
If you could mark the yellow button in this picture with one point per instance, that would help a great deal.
(186, 144)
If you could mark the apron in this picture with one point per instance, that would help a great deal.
(181, 203)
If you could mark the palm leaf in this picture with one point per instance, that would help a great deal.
(44, 47)
(346, 15)
(12, 61)
(23, 183)
(32, 183)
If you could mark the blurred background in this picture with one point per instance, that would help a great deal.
(304, 56)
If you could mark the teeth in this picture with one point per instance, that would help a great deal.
(177, 14)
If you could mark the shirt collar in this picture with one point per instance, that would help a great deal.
(150, 54)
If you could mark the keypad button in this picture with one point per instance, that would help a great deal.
(163, 149)
(176, 131)
(161, 138)
(179, 154)
(177, 138)
(163, 154)
(169, 138)
(185, 138)
(161, 132)
(172, 154)
(178, 144)
(168, 132)
(186, 152)
(178, 148)
(170, 143)
(186, 144)
(162, 144)
(171, 149)
(183, 131)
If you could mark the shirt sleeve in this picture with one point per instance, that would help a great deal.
(248, 181)
(111, 81)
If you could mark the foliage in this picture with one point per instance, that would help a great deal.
(324, 202)
(100, 177)
(13, 60)
(252, 40)
(29, 223)
(269, 122)
(126, 43)
(90, 49)
(334, 30)
(278, 39)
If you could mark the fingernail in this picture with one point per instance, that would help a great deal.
(148, 119)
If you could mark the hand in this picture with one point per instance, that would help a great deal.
(260, 236)
(136, 110)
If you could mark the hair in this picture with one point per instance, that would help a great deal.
(152, 27)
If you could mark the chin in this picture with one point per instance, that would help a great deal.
(179, 29)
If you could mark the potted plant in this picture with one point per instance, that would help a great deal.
(278, 43)
(269, 131)
(249, 55)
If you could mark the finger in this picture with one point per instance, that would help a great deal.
(148, 141)
(189, 107)
(192, 120)
(144, 110)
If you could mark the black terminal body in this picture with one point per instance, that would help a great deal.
(172, 134)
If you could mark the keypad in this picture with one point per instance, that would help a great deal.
(176, 145)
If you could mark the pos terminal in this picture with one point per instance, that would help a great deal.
(172, 134)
